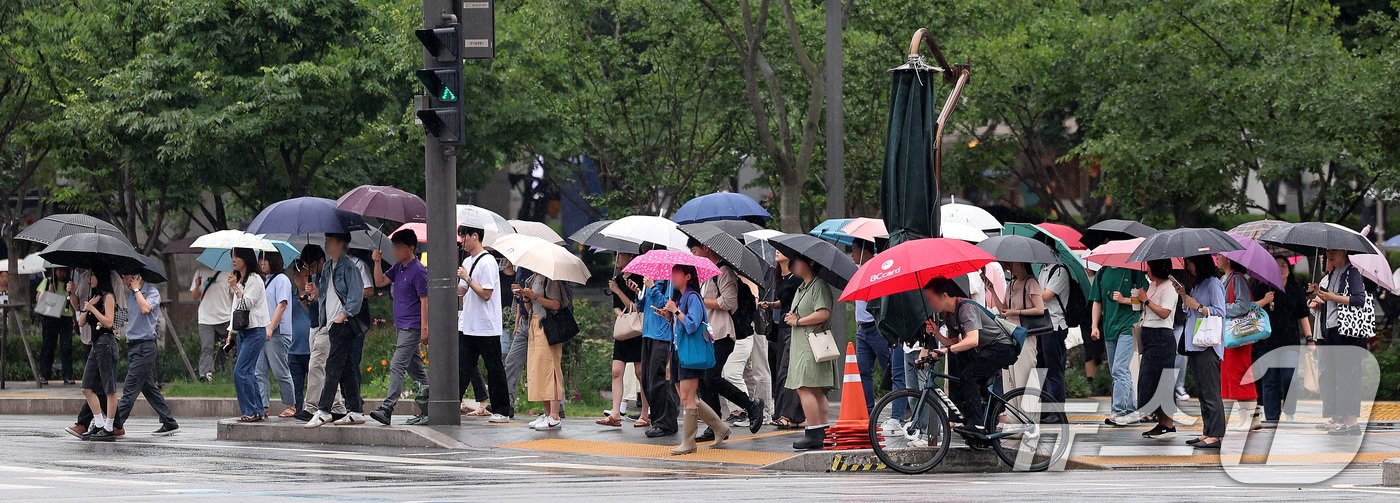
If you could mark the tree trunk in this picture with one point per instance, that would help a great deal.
(790, 202)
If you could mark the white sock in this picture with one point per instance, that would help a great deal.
(111, 424)
(99, 421)
(622, 408)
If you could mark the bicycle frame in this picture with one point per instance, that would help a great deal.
(994, 398)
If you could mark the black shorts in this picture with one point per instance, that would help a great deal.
(1094, 350)
(628, 351)
(100, 373)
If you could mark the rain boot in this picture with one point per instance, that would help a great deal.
(716, 425)
(1246, 418)
(813, 439)
(687, 433)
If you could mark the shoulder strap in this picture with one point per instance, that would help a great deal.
(472, 270)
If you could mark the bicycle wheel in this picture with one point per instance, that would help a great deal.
(1038, 430)
(915, 440)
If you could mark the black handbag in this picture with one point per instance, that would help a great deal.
(559, 326)
(1035, 325)
(240, 316)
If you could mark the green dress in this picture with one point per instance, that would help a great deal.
(803, 369)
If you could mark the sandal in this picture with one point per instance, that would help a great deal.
(248, 419)
(480, 412)
(290, 412)
(609, 421)
(783, 423)
(642, 422)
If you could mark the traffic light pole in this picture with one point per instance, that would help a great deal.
(440, 175)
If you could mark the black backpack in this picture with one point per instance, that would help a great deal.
(744, 314)
(1077, 312)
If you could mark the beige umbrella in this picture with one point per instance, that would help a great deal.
(536, 229)
(542, 257)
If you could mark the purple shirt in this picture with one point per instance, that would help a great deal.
(410, 283)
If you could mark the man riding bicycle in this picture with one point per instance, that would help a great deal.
(978, 339)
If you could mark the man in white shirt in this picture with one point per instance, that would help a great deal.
(479, 324)
(215, 310)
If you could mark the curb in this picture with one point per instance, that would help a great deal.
(367, 435)
(958, 460)
(1390, 472)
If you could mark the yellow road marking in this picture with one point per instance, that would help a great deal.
(631, 450)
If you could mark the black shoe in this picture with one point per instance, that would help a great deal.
(755, 416)
(303, 416)
(978, 432)
(103, 435)
(813, 439)
(1208, 445)
(336, 417)
(707, 436)
(166, 430)
(383, 416)
(87, 435)
(1348, 431)
(657, 432)
(1160, 432)
(1193, 441)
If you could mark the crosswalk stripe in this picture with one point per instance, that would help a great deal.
(85, 479)
(383, 459)
(40, 471)
(17, 487)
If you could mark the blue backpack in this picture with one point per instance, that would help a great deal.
(1017, 332)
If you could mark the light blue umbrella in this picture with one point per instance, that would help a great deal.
(221, 260)
(830, 230)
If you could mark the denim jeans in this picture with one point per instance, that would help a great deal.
(1120, 361)
(272, 364)
(299, 366)
(870, 349)
(897, 379)
(245, 379)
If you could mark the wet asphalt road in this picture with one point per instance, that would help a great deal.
(39, 462)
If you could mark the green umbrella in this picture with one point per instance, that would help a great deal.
(909, 188)
(1062, 251)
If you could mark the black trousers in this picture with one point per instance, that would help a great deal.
(980, 368)
(714, 385)
(660, 391)
(143, 363)
(1050, 355)
(58, 334)
(785, 401)
(299, 365)
(1205, 368)
(343, 369)
(1158, 357)
(1340, 376)
(470, 348)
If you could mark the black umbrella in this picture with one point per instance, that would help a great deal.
(1115, 229)
(1182, 243)
(1312, 238)
(590, 236)
(90, 250)
(1019, 249)
(735, 228)
(151, 270)
(744, 260)
(53, 227)
(837, 267)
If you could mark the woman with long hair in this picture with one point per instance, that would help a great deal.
(250, 295)
(686, 312)
(1155, 383)
(1341, 374)
(1290, 320)
(1235, 367)
(625, 289)
(1202, 296)
(787, 406)
(810, 311)
(1024, 301)
(100, 373)
(544, 375)
(273, 364)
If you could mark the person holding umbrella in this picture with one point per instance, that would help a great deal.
(1235, 367)
(273, 364)
(1158, 301)
(544, 375)
(787, 408)
(1203, 295)
(250, 330)
(1024, 305)
(100, 373)
(721, 294)
(625, 290)
(1289, 318)
(1341, 401)
(687, 313)
(811, 379)
(143, 302)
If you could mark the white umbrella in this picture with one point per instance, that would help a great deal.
(647, 229)
(961, 232)
(477, 217)
(230, 239)
(761, 235)
(542, 257)
(969, 215)
(31, 264)
(535, 229)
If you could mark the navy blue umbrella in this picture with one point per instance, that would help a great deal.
(305, 215)
(721, 206)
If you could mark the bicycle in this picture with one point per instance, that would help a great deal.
(918, 440)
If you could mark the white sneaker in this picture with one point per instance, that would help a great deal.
(1181, 395)
(536, 422)
(549, 424)
(350, 419)
(498, 419)
(317, 420)
(1125, 420)
(891, 427)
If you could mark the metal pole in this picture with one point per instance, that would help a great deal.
(440, 174)
(835, 146)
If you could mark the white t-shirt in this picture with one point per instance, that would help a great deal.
(481, 317)
(1058, 283)
(1163, 295)
(216, 306)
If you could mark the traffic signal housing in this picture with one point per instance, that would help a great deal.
(442, 116)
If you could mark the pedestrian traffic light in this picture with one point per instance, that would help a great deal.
(442, 114)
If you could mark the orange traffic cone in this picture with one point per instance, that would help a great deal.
(852, 428)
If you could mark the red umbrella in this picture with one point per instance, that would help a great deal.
(1066, 233)
(909, 265)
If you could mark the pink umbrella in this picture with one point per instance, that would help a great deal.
(1115, 254)
(657, 264)
(866, 228)
(419, 229)
(1256, 260)
(1375, 268)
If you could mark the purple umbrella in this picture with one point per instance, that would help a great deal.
(381, 201)
(1257, 261)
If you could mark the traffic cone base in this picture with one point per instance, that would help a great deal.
(851, 430)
